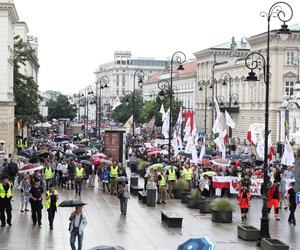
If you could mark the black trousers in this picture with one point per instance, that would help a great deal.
(292, 214)
(5, 207)
(36, 210)
(51, 215)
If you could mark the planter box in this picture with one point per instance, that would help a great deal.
(221, 216)
(178, 193)
(248, 233)
(151, 197)
(193, 202)
(273, 244)
(184, 195)
(134, 180)
(204, 206)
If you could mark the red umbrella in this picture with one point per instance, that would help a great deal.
(96, 161)
(30, 168)
(151, 149)
(153, 153)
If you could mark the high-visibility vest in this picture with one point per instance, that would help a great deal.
(187, 174)
(113, 171)
(4, 194)
(25, 144)
(171, 175)
(19, 143)
(48, 173)
(48, 199)
(79, 172)
(162, 182)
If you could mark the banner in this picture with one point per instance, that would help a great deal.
(221, 181)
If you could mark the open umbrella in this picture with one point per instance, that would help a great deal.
(107, 248)
(202, 243)
(96, 161)
(157, 165)
(153, 152)
(72, 203)
(104, 161)
(100, 155)
(209, 173)
(122, 178)
(30, 168)
(86, 162)
(221, 162)
(79, 151)
(26, 153)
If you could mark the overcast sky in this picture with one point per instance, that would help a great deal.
(75, 36)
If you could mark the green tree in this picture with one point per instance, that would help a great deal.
(25, 88)
(61, 108)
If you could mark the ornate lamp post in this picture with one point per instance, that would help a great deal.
(256, 60)
(166, 87)
(140, 75)
(101, 84)
(203, 85)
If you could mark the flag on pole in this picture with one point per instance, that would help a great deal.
(166, 124)
(229, 121)
(128, 123)
(177, 141)
(116, 102)
(217, 128)
(202, 152)
(187, 130)
(288, 154)
(162, 111)
(220, 143)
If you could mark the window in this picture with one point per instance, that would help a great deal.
(123, 84)
(289, 88)
(290, 59)
(117, 92)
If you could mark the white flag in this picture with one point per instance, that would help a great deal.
(187, 130)
(288, 154)
(202, 152)
(166, 124)
(217, 108)
(163, 113)
(116, 103)
(229, 121)
(220, 143)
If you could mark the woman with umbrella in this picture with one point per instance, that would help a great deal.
(123, 193)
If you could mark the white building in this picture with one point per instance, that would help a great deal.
(121, 71)
(8, 17)
(251, 108)
(184, 84)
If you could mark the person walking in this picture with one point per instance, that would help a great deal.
(36, 194)
(282, 190)
(273, 199)
(123, 195)
(79, 174)
(51, 204)
(48, 175)
(105, 179)
(25, 189)
(243, 200)
(187, 174)
(291, 197)
(113, 173)
(71, 174)
(171, 176)
(77, 224)
(161, 181)
(6, 190)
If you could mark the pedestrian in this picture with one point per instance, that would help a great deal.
(6, 190)
(71, 174)
(187, 174)
(64, 171)
(25, 196)
(282, 190)
(273, 199)
(51, 204)
(105, 179)
(171, 176)
(48, 171)
(36, 194)
(243, 200)
(113, 173)
(77, 223)
(123, 195)
(79, 174)
(161, 181)
(291, 197)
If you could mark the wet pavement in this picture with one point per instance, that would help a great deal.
(140, 229)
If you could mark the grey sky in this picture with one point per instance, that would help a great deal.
(76, 36)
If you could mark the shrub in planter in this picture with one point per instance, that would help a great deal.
(193, 198)
(141, 167)
(273, 244)
(180, 186)
(221, 210)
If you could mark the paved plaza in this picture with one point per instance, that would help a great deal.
(141, 229)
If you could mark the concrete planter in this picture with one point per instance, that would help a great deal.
(273, 244)
(193, 202)
(221, 216)
(248, 233)
(151, 197)
(204, 206)
(178, 193)
(184, 195)
(134, 180)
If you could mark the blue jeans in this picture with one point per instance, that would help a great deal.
(74, 234)
(78, 185)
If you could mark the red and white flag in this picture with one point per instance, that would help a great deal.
(288, 154)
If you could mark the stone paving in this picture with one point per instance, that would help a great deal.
(141, 229)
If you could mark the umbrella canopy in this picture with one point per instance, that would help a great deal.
(26, 153)
(164, 152)
(122, 178)
(30, 168)
(234, 157)
(99, 155)
(221, 162)
(69, 156)
(153, 152)
(104, 161)
(107, 248)
(20, 158)
(157, 165)
(86, 162)
(79, 151)
(202, 243)
(209, 173)
(80, 145)
(72, 203)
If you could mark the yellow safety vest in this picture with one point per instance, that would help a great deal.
(171, 175)
(79, 172)
(162, 182)
(187, 174)
(48, 199)
(113, 171)
(48, 173)
(25, 144)
(20, 143)
(4, 194)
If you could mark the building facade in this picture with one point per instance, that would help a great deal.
(250, 106)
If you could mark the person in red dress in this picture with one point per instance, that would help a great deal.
(243, 200)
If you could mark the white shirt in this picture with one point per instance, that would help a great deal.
(77, 220)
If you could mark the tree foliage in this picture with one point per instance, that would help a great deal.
(26, 93)
(61, 108)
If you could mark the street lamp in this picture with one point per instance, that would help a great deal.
(166, 87)
(140, 75)
(101, 84)
(204, 85)
(256, 60)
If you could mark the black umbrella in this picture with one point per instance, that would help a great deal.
(69, 156)
(26, 153)
(86, 162)
(80, 145)
(84, 157)
(72, 203)
(79, 151)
